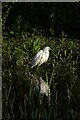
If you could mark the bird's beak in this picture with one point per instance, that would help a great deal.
(50, 49)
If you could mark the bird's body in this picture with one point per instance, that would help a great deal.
(41, 57)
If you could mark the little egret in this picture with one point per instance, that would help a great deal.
(41, 57)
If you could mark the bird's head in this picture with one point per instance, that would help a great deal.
(47, 48)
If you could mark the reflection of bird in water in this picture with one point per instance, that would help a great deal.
(38, 81)
(44, 87)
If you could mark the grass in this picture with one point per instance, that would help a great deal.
(20, 99)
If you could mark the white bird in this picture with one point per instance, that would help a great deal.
(41, 57)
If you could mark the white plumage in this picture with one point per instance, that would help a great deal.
(41, 57)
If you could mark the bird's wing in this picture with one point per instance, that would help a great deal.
(37, 58)
(44, 57)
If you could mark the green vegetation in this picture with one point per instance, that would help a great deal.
(61, 71)
(20, 99)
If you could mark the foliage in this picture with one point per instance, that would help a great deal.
(50, 18)
(20, 100)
